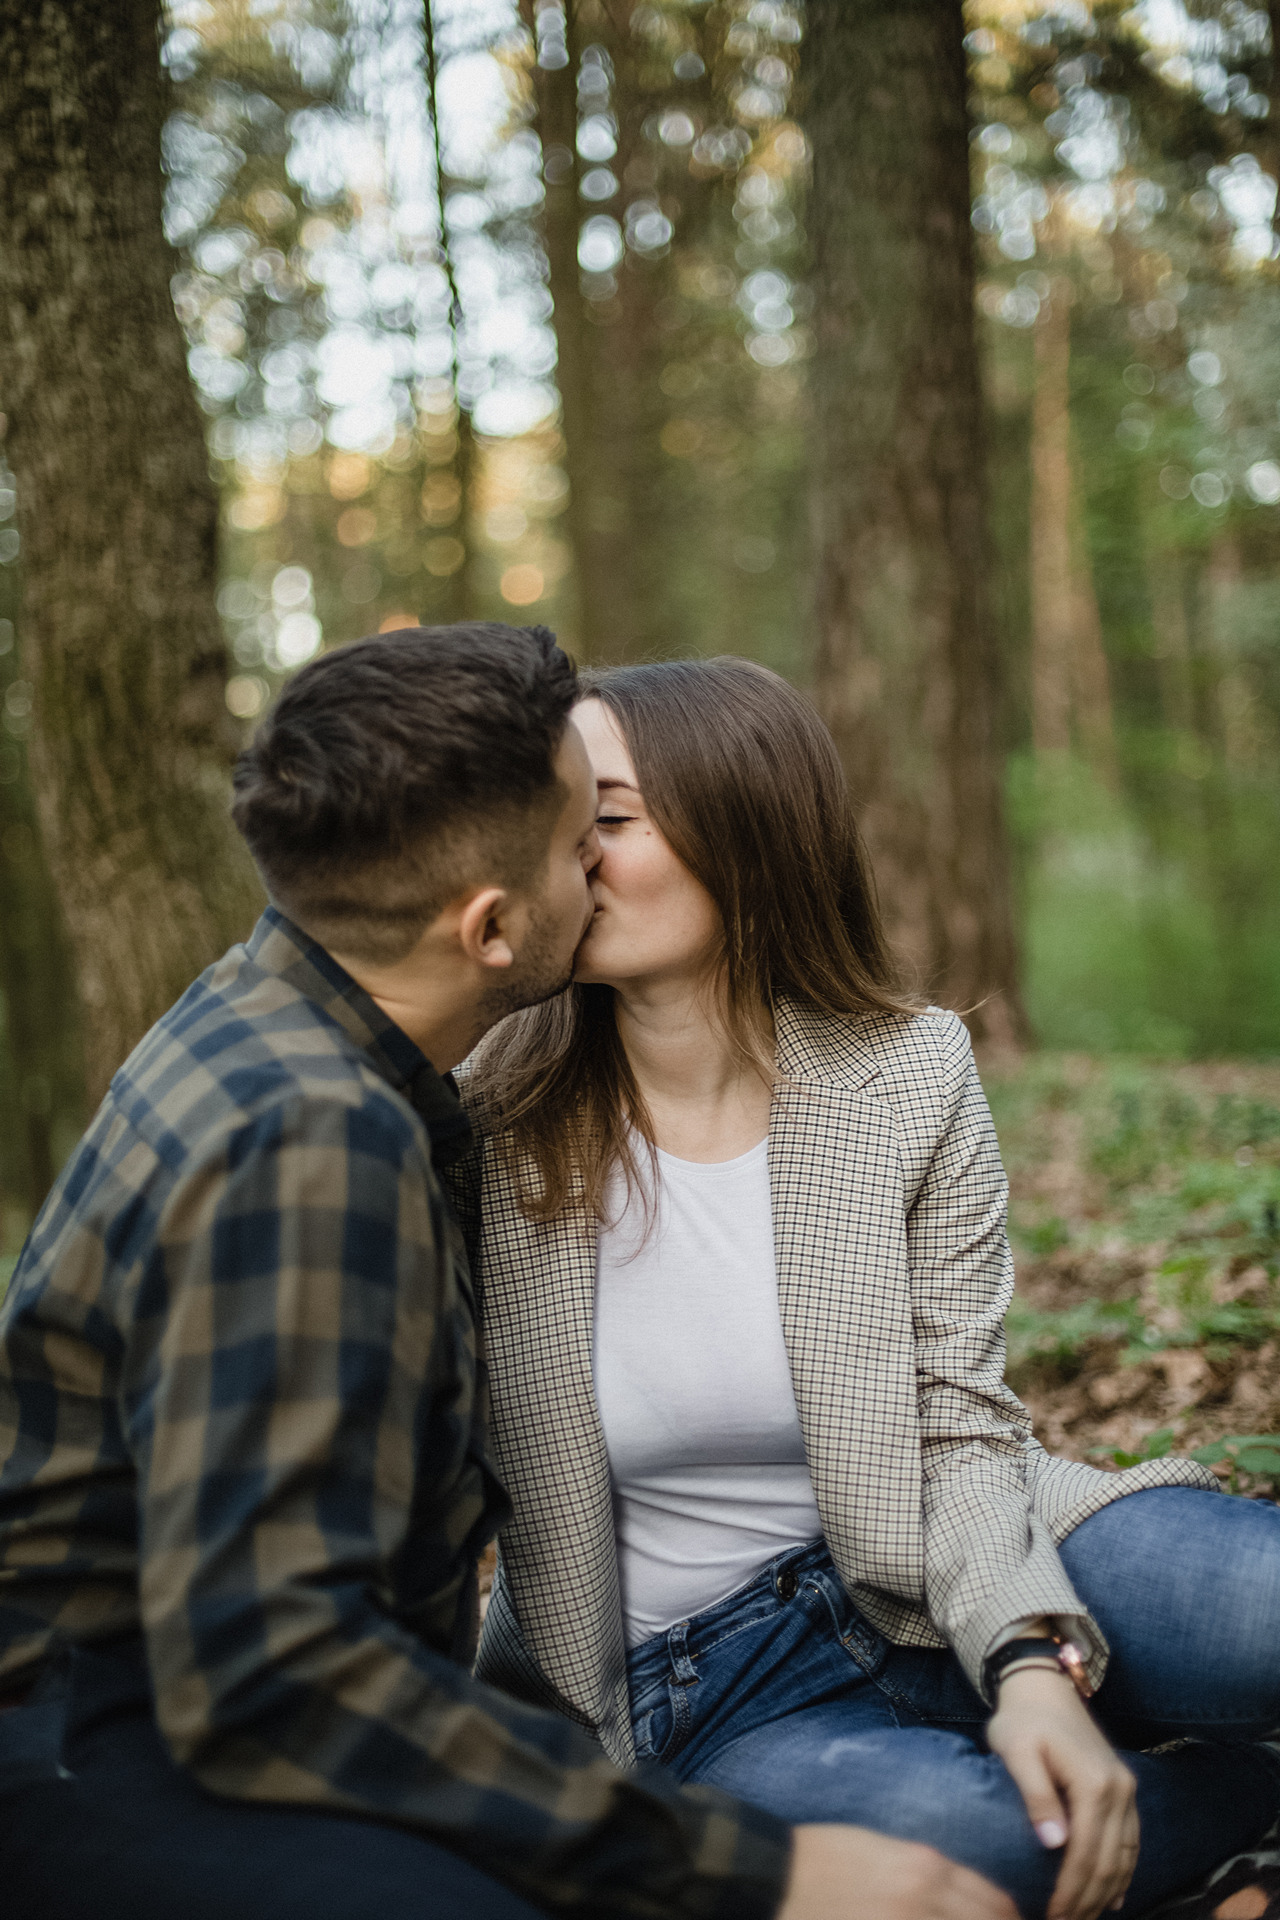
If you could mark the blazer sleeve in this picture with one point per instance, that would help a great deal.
(989, 1560)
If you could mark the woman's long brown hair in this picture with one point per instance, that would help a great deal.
(743, 781)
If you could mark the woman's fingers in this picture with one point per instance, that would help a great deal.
(1087, 1868)
(1040, 1796)
(1102, 1850)
(1130, 1837)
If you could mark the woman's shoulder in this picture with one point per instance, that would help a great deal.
(898, 1052)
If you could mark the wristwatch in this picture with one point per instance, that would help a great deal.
(1042, 1650)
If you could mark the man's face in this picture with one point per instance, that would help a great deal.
(559, 900)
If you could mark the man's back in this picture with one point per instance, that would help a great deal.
(275, 1096)
(243, 1483)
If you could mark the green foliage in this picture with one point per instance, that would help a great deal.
(1046, 1236)
(1252, 1460)
(1151, 911)
(1177, 1228)
(1156, 1446)
(1062, 1340)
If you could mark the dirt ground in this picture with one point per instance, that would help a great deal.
(1144, 1200)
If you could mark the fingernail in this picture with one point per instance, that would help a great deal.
(1051, 1833)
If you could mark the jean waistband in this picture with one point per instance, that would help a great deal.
(778, 1582)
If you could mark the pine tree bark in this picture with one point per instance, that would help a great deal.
(455, 600)
(610, 352)
(1090, 674)
(118, 519)
(906, 668)
(556, 117)
(1052, 612)
(1070, 682)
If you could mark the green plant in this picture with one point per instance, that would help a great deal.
(1155, 1447)
(1044, 1237)
(1061, 1340)
(1251, 1457)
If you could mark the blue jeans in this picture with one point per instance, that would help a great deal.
(786, 1696)
(97, 1823)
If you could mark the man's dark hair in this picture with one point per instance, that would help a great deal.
(393, 773)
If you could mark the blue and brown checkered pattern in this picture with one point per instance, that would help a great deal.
(241, 1414)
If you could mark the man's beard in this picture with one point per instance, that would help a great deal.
(539, 974)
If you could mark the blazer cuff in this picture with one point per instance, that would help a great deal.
(987, 1628)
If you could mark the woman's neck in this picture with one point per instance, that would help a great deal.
(705, 1100)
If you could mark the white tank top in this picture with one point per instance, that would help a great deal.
(694, 1391)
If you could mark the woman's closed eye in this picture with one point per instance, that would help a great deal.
(613, 819)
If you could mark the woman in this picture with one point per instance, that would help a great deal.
(780, 1525)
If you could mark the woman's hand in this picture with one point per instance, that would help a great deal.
(1077, 1790)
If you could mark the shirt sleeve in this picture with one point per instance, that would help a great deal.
(295, 1356)
(990, 1562)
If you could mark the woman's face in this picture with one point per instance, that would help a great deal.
(653, 921)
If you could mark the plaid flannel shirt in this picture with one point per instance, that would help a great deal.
(241, 1416)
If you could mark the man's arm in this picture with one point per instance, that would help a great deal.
(296, 1370)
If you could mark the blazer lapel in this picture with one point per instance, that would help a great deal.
(538, 1284)
(836, 1179)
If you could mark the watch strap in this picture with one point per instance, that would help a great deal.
(1043, 1650)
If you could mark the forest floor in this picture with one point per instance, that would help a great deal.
(1145, 1219)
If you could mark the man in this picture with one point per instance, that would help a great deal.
(243, 1481)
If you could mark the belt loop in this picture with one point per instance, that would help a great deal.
(682, 1668)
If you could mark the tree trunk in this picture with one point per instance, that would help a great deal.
(1090, 675)
(455, 599)
(39, 1040)
(907, 670)
(610, 351)
(118, 519)
(556, 114)
(1069, 677)
(1052, 612)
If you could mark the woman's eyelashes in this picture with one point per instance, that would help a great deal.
(613, 819)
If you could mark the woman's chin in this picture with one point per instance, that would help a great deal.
(588, 971)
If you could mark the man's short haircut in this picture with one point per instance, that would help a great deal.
(395, 772)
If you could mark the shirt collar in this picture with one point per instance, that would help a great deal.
(278, 946)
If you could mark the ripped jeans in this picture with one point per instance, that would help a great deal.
(784, 1695)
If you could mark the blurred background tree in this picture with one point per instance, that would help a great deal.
(561, 311)
(117, 515)
(907, 672)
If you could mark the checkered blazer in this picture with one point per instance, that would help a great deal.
(940, 1510)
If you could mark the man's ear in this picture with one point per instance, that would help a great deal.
(481, 928)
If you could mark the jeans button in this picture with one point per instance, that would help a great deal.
(787, 1584)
